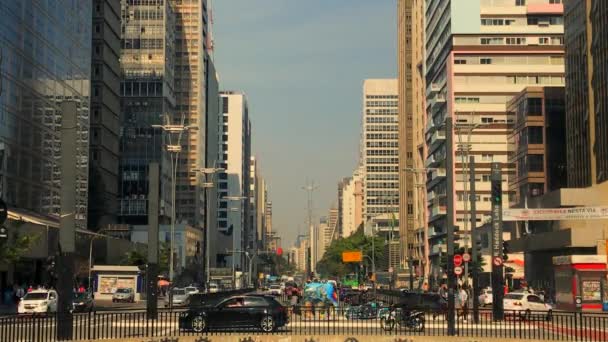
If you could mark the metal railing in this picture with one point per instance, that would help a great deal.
(306, 320)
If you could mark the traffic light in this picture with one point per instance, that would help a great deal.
(478, 247)
(496, 191)
(505, 250)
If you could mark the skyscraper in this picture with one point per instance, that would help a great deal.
(193, 41)
(233, 183)
(46, 62)
(105, 109)
(479, 54)
(380, 147)
(147, 98)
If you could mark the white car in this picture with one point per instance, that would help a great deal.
(38, 301)
(275, 290)
(485, 298)
(527, 305)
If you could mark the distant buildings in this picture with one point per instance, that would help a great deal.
(351, 214)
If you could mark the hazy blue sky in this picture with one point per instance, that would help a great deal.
(302, 64)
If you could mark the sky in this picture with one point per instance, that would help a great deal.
(301, 64)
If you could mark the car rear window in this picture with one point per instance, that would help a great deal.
(35, 296)
(179, 292)
(275, 287)
(514, 296)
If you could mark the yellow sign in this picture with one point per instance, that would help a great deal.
(352, 256)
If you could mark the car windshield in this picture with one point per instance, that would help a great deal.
(275, 287)
(123, 290)
(35, 296)
(514, 296)
(179, 292)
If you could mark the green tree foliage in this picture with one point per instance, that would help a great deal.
(13, 248)
(331, 264)
(139, 256)
(278, 264)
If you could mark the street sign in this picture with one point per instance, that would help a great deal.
(457, 270)
(3, 211)
(497, 261)
(466, 257)
(3, 233)
(457, 260)
(352, 256)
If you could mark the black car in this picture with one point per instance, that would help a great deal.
(246, 311)
(83, 302)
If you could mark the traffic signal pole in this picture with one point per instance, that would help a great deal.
(450, 226)
(496, 244)
(474, 251)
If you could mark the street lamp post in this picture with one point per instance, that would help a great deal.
(208, 184)
(174, 149)
(234, 198)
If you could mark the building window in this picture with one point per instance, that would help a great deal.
(535, 135)
(536, 163)
(520, 2)
(485, 60)
(535, 107)
(225, 105)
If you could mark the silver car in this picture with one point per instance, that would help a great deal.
(180, 297)
(124, 295)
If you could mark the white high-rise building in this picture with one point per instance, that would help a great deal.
(233, 184)
(380, 147)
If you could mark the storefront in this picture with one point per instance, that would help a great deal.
(107, 279)
(581, 277)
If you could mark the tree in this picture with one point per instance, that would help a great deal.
(15, 246)
(331, 264)
(139, 256)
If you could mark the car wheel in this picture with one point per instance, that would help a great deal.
(199, 324)
(267, 324)
(419, 324)
(549, 317)
(387, 324)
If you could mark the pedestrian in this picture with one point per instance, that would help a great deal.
(19, 293)
(30, 289)
(463, 298)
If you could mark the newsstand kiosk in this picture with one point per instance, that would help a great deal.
(581, 283)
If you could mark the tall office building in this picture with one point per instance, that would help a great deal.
(585, 150)
(46, 63)
(260, 204)
(147, 98)
(380, 147)
(479, 55)
(192, 43)
(252, 230)
(352, 203)
(407, 146)
(105, 108)
(587, 92)
(233, 183)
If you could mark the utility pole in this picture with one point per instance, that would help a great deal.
(450, 225)
(67, 233)
(152, 269)
(310, 189)
(474, 252)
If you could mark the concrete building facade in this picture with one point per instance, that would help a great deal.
(105, 109)
(233, 183)
(147, 98)
(380, 147)
(479, 54)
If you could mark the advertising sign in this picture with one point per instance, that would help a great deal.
(555, 214)
(352, 256)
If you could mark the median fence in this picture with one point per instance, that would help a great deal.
(309, 321)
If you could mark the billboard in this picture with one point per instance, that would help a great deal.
(556, 214)
(352, 256)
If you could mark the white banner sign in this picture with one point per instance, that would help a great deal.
(556, 214)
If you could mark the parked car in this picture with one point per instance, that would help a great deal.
(259, 311)
(83, 302)
(191, 290)
(485, 298)
(124, 294)
(275, 290)
(179, 297)
(38, 301)
(214, 288)
(527, 306)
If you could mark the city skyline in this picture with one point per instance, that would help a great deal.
(295, 75)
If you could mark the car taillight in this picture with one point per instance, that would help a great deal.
(517, 304)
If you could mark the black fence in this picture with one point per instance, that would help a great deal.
(352, 321)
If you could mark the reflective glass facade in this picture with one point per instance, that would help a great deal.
(46, 59)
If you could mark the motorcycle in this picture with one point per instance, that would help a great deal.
(413, 320)
(365, 311)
